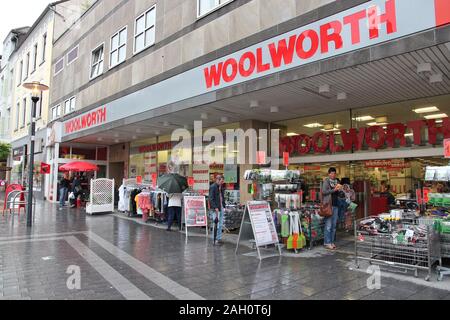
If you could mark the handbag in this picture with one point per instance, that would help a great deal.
(326, 210)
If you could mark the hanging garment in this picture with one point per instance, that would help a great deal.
(121, 204)
(284, 225)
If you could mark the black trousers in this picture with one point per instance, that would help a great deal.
(174, 212)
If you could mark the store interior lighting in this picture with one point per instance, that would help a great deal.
(313, 125)
(292, 134)
(100, 139)
(436, 78)
(325, 88)
(157, 132)
(364, 118)
(117, 141)
(254, 104)
(436, 116)
(342, 96)
(274, 109)
(426, 110)
(424, 67)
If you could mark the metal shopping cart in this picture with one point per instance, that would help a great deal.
(390, 248)
(444, 228)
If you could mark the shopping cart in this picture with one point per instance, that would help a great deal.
(444, 228)
(395, 250)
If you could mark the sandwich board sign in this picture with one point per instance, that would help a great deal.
(258, 225)
(195, 213)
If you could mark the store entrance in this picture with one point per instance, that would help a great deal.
(379, 185)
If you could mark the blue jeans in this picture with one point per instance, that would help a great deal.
(343, 206)
(219, 225)
(63, 196)
(174, 212)
(330, 227)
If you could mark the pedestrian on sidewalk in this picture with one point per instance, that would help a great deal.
(174, 210)
(64, 185)
(331, 189)
(217, 205)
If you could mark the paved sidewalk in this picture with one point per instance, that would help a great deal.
(119, 258)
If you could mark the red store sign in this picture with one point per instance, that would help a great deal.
(372, 137)
(86, 121)
(156, 147)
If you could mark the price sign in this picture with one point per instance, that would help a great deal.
(286, 159)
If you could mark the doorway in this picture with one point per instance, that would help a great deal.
(116, 172)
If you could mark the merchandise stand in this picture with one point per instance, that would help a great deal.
(258, 227)
(402, 244)
(101, 197)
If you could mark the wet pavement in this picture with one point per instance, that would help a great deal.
(119, 258)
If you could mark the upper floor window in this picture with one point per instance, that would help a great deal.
(56, 112)
(206, 6)
(72, 55)
(17, 116)
(24, 114)
(59, 66)
(27, 66)
(144, 30)
(44, 46)
(20, 73)
(35, 54)
(69, 105)
(98, 56)
(118, 52)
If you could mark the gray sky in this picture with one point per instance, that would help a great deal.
(19, 13)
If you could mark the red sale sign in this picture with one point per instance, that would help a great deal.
(286, 159)
(447, 148)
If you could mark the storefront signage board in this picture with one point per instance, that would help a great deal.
(447, 148)
(195, 214)
(375, 138)
(362, 26)
(258, 226)
(201, 178)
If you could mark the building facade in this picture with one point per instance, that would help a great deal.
(345, 82)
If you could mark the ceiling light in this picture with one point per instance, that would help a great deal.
(204, 116)
(380, 120)
(157, 132)
(330, 130)
(292, 134)
(409, 135)
(364, 118)
(254, 104)
(424, 67)
(427, 110)
(436, 116)
(134, 137)
(342, 96)
(436, 78)
(372, 124)
(325, 88)
(439, 121)
(166, 124)
(329, 126)
(100, 139)
(274, 109)
(224, 119)
(117, 141)
(313, 125)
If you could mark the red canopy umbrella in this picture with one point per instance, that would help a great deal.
(78, 166)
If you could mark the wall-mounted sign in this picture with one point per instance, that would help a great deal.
(86, 121)
(371, 138)
(163, 146)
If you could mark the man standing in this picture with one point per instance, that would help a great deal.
(330, 191)
(64, 185)
(217, 205)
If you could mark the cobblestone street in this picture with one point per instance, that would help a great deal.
(122, 259)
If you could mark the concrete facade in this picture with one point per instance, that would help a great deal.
(180, 40)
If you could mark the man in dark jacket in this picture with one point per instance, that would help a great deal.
(217, 205)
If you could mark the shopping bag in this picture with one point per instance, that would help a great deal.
(352, 207)
(301, 237)
(71, 196)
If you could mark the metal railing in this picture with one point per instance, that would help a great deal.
(15, 202)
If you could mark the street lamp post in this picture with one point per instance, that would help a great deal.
(36, 90)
